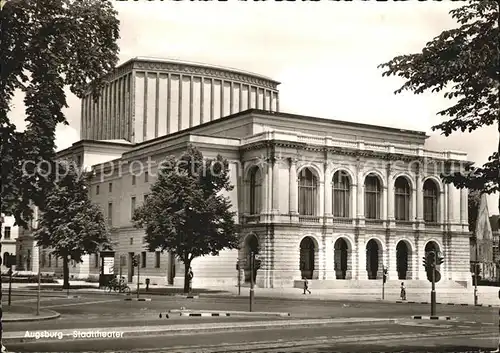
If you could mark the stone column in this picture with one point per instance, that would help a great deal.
(384, 203)
(264, 189)
(361, 195)
(390, 194)
(276, 180)
(464, 206)
(442, 206)
(328, 190)
(353, 199)
(420, 197)
(269, 181)
(321, 198)
(293, 187)
(444, 198)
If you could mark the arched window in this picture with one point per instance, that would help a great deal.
(402, 199)
(308, 186)
(255, 190)
(341, 194)
(430, 201)
(373, 197)
(5, 254)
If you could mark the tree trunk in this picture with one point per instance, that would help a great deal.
(187, 280)
(65, 272)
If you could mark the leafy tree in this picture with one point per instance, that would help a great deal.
(185, 213)
(46, 46)
(473, 204)
(71, 224)
(465, 63)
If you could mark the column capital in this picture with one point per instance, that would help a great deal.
(293, 160)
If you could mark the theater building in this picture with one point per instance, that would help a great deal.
(328, 200)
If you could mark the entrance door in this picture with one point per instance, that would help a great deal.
(130, 266)
(372, 259)
(402, 260)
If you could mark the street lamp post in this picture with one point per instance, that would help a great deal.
(476, 265)
(39, 280)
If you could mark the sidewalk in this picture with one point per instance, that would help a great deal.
(22, 314)
(487, 296)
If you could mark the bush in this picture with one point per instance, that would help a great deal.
(28, 279)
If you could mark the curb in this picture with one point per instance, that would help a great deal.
(33, 294)
(53, 315)
(138, 299)
(457, 304)
(183, 312)
(419, 317)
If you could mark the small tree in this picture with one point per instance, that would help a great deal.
(185, 213)
(71, 225)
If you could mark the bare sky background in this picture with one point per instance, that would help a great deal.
(325, 54)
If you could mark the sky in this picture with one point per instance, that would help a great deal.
(325, 54)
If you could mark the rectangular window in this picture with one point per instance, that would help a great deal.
(132, 206)
(133, 179)
(50, 260)
(57, 262)
(97, 190)
(96, 260)
(110, 187)
(146, 177)
(79, 161)
(143, 259)
(157, 259)
(6, 232)
(110, 214)
(145, 197)
(43, 259)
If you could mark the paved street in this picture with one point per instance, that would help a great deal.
(473, 327)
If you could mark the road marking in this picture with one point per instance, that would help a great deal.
(84, 303)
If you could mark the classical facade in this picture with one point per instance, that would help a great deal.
(328, 200)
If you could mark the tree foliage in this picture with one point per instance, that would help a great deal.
(71, 225)
(464, 63)
(473, 211)
(46, 46)
(186, 213)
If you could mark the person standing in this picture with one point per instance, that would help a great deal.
(306, 286)
(190, 279)
(403, 291)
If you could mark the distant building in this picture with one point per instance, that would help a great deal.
(10, 232)
(323, 199)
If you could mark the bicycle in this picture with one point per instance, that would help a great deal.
(116, 286)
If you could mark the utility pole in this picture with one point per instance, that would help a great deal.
(138, 266)
(251, 280)
(476, 274)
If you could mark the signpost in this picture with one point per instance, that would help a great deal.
(252, 260)
(135, 262)
(11, 261)
(431, 260)
(384, 279)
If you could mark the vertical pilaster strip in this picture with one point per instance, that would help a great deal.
(328, 189)
(212, 93)
(264, 190)
(222, 98)
(264, 105)
(157, 104)
(420, 195)
(361, 189)
(145, 108)
(179, 117)
(276, 180)
(270, 178)
(249, 97)
(240, 104)
(231, 97)
(83, 123)
(202, 100)
(390, 193)
(293, 186)
(277, 102)
(191, 87)
(169, 101)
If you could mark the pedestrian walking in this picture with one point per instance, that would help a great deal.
(190, 279)
(306, 286)
(403, 291)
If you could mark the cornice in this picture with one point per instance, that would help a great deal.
(205, 71)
